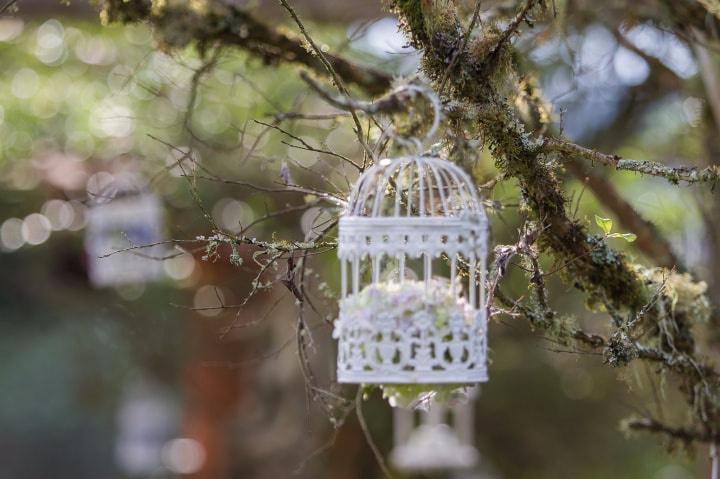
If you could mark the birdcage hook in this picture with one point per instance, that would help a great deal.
(419, 143)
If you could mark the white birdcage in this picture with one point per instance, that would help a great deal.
(440, 439)
(412, 217)
(124, 225)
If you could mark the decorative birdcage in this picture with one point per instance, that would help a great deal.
(412, 247)
(124, 225)
(438, 439)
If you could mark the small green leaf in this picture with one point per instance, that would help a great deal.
(605, 224)
(629, 237)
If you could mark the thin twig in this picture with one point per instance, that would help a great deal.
(339, 83)
(7, 6)
(307, 146)
(368, 437)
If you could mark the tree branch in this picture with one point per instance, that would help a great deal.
(689, 174)
(685, 435)
(178, 24)
(649, 239)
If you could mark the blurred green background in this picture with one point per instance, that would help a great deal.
(131, 381)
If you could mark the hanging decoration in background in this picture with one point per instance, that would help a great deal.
(412, 245)
(123, 215)
(441, 440)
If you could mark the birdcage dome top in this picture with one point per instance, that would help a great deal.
(412, 187)
(413, 205)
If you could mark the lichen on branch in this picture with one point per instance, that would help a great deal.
(688, 174)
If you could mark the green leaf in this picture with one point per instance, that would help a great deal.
(629, 237)
(605, 224)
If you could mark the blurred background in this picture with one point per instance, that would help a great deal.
(156, 372)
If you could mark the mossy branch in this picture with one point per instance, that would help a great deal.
(675, 175)
(178, 24)
(591, 265)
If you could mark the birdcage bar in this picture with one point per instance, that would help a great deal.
(343, 278)
(421, 191)
(410, 195)
(401, 267)
(483, 278)
(453, 274)
(463, 422)
(356, 274)
(376, 268)
(472, 286)
(427, 269)
(403, 424)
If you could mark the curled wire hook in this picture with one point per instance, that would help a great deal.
(418, 143)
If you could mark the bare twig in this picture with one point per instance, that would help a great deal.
(368, 436)
(391, 103)
(679, 433)
(309, 147)
(513, 27)
(7, 5)
(339, 83)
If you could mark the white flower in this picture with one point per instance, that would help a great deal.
(398, 302)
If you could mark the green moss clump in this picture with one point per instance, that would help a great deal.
(412, 20)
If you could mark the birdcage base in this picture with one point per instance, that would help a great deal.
(413, 377)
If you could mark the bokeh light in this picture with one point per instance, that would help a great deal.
(179, 267)
(233, 215)
(60, 213)
(36, 229)
(183, 455)
(11, 237)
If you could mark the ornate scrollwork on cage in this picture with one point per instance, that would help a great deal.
(412, 246)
